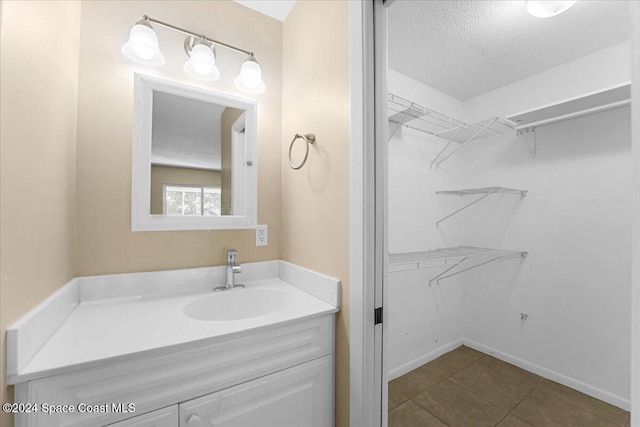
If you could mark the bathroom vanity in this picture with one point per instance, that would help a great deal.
(161, 349)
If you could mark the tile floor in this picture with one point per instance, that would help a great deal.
(466, 388)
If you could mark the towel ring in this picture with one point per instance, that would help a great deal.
(309, 139)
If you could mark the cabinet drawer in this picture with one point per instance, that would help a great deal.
(165, 417)
(157, 382)
(301, 396)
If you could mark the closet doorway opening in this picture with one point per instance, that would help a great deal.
(508, 214)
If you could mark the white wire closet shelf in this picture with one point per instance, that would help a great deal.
(599, 101)
(403, 112)
(452, 258)
(484, 191)
(406, 113)
(589, 103)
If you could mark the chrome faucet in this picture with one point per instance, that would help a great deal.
(232, 268)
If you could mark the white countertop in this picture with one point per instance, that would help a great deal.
(98, 331)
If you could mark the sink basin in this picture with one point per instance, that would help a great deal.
(237, 304)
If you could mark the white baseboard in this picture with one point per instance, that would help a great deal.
(419, 361)
(592, 391)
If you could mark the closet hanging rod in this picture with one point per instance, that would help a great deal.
(576, 114)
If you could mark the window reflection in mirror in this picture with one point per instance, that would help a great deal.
(194, 158)
(191, 150)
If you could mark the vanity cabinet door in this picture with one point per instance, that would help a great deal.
(165, 417)
(301, 396)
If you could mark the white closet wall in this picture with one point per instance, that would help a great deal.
(575, 222)
(423, 322)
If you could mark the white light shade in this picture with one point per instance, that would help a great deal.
(202, 64)
(250, 78)
(142, 46)
(547, 9)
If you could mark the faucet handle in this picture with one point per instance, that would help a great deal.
(231, 255)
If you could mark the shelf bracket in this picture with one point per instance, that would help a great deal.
(448, 270)
(399, 125)
(529, 136)
(395, 129)
(445, 147)
(485, 127)
(468, 205)
(440, 277)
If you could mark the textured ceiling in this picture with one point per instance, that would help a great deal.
(465, 48)
(185, 132)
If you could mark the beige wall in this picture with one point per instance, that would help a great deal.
(227, 119)
(306, 210)
(38, 91)
(315, 199)
(105, 241)
(161, 175)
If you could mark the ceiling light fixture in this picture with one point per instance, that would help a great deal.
(548, 8)
(143, 47)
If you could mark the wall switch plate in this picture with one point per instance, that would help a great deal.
(262, 235)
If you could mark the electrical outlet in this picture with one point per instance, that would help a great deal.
(262, 235)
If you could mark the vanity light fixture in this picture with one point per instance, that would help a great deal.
(250, 77)
(142, 47)
(548, 8)
(202, 60)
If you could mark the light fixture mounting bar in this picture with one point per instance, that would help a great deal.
(199, 36)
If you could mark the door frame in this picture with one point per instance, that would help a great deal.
(362, 406)
(368, 388)
(368, 394)
(635, 275)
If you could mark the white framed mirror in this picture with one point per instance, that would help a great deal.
(194, 158)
